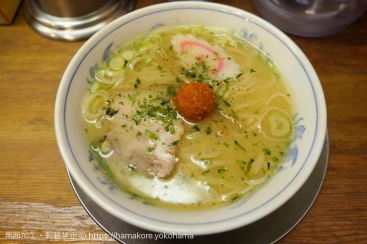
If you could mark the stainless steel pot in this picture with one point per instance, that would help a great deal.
(72, 20)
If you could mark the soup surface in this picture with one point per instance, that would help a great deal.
(189, 117)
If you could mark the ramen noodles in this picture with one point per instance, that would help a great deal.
(189, 117)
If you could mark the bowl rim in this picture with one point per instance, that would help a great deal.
(60, 126)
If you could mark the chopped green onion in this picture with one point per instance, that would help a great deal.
(106, 147)
(128, 55)
(147, 47)
(110, 76)
(94, 86)
(116, 63)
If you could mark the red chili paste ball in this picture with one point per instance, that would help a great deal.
(195, 101)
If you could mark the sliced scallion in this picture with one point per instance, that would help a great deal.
(116, 63)
(94, 86)
(128, 55)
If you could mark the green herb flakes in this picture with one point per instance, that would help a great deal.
(150, 149)
(239, 145)
(266, 151)
(222, 170)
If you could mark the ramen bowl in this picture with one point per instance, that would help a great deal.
(309, 119)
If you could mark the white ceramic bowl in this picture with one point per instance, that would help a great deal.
(304, 83)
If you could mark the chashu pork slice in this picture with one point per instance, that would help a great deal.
(147, 146)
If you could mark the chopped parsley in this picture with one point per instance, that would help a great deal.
(111, 112)
(239, 145)
(171, 91)
(236, 197)
(174, 143)
(208, 130)
(170, 128)
(150, 149)
(151, 135)
(266, 151)
(222, 170)
(248, 168)
(195, 128)
(137, 83)
(226, 103)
